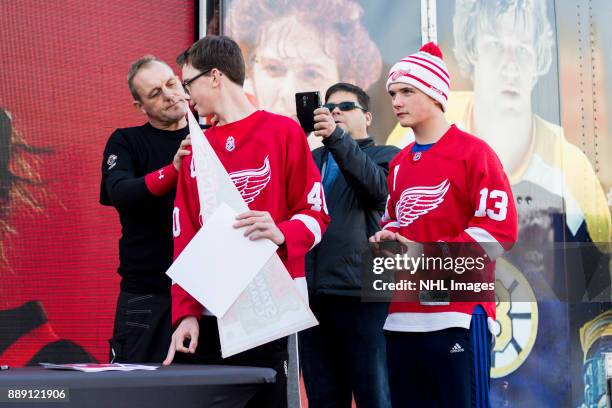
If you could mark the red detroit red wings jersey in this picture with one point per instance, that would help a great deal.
(268, 159)
(457, 191)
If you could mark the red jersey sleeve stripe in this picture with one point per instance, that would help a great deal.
(312, 225)
(488, 243)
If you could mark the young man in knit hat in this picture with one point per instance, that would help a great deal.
(446, 187)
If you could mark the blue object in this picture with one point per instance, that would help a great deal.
(421, 147)
(479, 310)
(331, 172)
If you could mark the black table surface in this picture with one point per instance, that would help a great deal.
(178, 385)
(175, 374)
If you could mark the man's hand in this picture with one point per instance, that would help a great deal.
(260, 225)
(383, 235)
(414, 248)
(187, 329)
(402, 239)
(182, 151)
(380, 236)
(324, 123)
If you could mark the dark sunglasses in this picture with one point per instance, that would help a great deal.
(189, 81)
(344, 106)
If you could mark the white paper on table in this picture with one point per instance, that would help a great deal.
(270, 308)
(219, 261)
(96, 368)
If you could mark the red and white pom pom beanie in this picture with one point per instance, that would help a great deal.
(424, 70)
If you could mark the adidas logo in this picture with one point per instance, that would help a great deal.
(457, 349)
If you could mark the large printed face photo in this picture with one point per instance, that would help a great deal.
(504, 72)
(309, 46)
(279, 69)
(302, 47)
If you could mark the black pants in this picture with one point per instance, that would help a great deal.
(271, 355)
(142, 329)
(345, 354)
(444, 368)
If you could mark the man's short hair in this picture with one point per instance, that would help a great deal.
(337, 24)
(216, 51)
(137, 66)
(362, 96)
(472, 17)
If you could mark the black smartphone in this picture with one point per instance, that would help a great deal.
(305, 105)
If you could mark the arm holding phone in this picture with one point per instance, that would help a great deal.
(324, 123)
(306, 103)
(312, 117)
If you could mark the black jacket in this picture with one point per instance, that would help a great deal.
(355, 201)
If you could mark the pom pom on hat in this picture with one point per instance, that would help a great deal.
(426, 71)
(433, 49)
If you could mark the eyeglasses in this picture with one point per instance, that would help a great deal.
(187, 82)
(344, 106)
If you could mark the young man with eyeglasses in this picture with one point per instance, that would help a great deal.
(268, 155)
(345, 355)
(139, 173)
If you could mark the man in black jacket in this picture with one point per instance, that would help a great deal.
(345, 354)
(139, 174)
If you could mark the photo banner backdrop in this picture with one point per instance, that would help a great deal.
(63, 90)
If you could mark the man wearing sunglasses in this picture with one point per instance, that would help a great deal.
(139, 172)
(345, 354)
